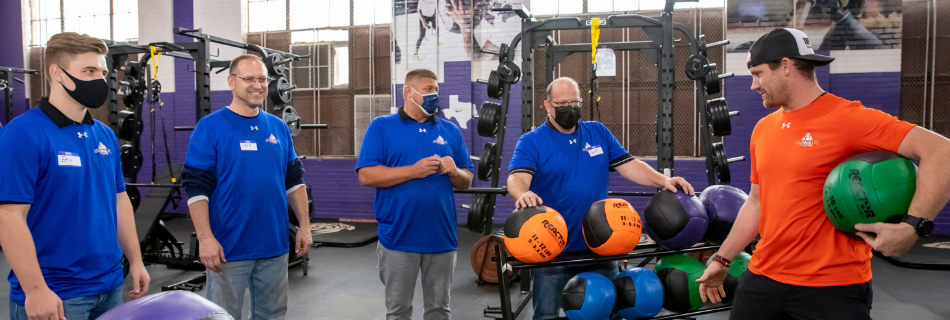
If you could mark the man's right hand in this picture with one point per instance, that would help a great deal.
(425, 167)
(212, 254)
(710, 284)
(44, 304)
(528, 199)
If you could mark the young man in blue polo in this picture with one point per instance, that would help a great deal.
(240, 172)
(65, 219)
(551, 161)
(415, 160)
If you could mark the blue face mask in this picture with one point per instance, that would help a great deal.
(430, 102)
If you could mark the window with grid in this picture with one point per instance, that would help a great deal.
(107, 19)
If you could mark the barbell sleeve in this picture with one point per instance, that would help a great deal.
(717, 43)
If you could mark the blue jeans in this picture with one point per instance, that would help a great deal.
(266, 279)
(548, 283)
(79, 308)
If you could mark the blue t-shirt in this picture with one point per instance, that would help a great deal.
(70, 174)
(570, 170)
(417, 215)
(249, 157)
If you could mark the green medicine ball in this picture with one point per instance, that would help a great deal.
(868, 188)
(678, 274)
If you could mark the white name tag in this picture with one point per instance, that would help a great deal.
(247, 145)
(595, 151)
(68, 159)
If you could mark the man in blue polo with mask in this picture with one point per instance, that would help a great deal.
(65, 219)
(414, 160)
(564, 164)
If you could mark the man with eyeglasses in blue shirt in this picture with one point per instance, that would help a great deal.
(552, 161)
(240, 173)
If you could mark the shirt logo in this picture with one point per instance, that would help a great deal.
(439, 141)
(82, 135)
(102, 149)
(422, 130)
(786, 125)
(253, 128)
(572, 141)
(272, 139)
(807, 141)
(807, 44)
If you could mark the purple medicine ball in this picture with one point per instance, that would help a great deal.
(675, 220)
(722, 204)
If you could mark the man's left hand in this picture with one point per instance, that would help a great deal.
(304, 241)
(140, 280)
(892, 239)
(675, 183)
(448, 166)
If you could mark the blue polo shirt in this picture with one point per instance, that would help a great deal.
(70, 174)
(248, 158)
(417, 215)
(569, 170)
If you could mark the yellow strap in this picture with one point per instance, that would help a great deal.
(155, 56)
(594, 36)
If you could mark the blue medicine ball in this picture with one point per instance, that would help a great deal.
(588, 296)
(639, 293)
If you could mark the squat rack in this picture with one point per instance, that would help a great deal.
(6, 85)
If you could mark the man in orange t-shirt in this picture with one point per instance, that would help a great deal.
(803, 268)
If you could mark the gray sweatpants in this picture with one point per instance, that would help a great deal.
(398, 270)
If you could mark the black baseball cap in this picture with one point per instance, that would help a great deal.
(784, 43)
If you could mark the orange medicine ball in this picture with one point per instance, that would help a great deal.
(535, 234)
(612, 227)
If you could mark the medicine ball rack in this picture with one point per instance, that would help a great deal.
(6, 85)
(505, 263)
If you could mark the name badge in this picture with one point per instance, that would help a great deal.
(594, 150)
(248, 145)
(68, 159)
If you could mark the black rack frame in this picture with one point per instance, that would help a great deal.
(6, 75)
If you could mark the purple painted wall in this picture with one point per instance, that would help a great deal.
(12, 55)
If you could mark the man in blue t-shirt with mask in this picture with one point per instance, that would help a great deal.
(547, 168)
(65, 218)
(414, 160)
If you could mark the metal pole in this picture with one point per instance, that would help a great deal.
(923, 109)
(933, 66)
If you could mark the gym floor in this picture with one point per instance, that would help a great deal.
(343, 284)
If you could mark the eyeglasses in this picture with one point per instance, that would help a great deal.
(262, 81)
(576, 103)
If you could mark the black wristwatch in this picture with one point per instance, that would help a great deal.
(923, 226)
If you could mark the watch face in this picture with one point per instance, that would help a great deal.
(927, 227)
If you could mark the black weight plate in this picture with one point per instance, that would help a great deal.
(503, 53)
(713, 83)
(476, 213)
(512, 72)
(127, 129)
(696, 67)
(292, 119)
(274, 67)
(495, 85)
(130, 163)
(279, 91)
(719, 121)
(489, 118)
(721, 163)
(486, 164)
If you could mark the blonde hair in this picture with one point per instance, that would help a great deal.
(63, 47)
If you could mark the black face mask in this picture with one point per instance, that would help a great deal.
(567, 117)
(91, 94)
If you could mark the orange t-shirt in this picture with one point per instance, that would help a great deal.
(792, 154)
